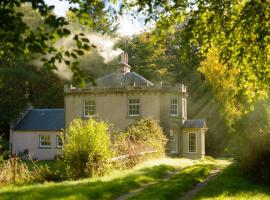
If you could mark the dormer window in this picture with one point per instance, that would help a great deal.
(174, 107)
(89, 108)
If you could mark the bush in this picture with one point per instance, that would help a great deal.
(14, 171)
(143, 136)
(251, 145)
(57, 173)
(87, 148)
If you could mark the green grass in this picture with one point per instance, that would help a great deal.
(232, 185)
(108, 187)
(51, 164)
(177, 185)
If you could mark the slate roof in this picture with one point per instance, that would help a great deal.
(117, 79)
(194, 123)
(42, 120)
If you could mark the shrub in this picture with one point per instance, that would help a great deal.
(13, 171)
(251, 145)
(87, 148)
(142, 136)
(57, 173)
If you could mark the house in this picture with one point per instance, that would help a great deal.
(121, 97)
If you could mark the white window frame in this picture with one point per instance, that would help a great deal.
(189, 145)
(131, 105)
(184, 108)
(57, 141)
(173, 108)
(42, 140)
(173, 141)
(91, 105)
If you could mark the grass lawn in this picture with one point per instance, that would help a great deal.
(232, 185)
(119, 183)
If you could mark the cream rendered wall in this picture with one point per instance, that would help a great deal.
(169, 122)
(200, 153)
(73, 108)
(113, 107)
(30, 140)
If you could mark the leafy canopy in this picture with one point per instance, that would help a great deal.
(239, 33)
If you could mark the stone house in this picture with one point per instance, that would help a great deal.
(121, 98)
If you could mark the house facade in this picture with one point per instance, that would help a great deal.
(121, 98)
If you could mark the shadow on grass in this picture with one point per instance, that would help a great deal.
(231, 184)
(87, 189)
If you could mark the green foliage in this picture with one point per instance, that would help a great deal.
(251, 146)
(4, 147)
(45, 172)
(175, 187)
(231, 184)
(148, 133)
(172, 59)
(239, 30)
(14, 171)
(22, 40)
(109, 187)
(94, 16)
(24, 84)
(148, 58)
(87, 148)
(143, 135)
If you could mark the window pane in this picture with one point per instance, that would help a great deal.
(173, 141)
(174, 107)
(44, 141)
(89, 107)
(133, 107)
(192, 142)
(59, 141)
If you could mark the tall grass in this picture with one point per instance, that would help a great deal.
(14, 171)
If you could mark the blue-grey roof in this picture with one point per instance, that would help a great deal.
(42, 120)
(194, 123)
(117, 79)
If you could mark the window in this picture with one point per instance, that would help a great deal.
(184, 106)
(59, 141)
(174, 107)
(89, 108)
(192, 142)
(173, 141)
(45, 141)
(134, 107)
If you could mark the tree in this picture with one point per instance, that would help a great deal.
(237, 30)
(20, 41)
(87, 148)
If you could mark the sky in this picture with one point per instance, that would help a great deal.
(127, 25)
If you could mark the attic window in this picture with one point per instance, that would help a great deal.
(89, 108)
(134, 107)
(174, 107)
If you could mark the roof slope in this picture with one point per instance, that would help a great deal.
(117, 79)
(194, 123)
(42, 120)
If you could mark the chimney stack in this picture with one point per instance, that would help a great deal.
(123, 65)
